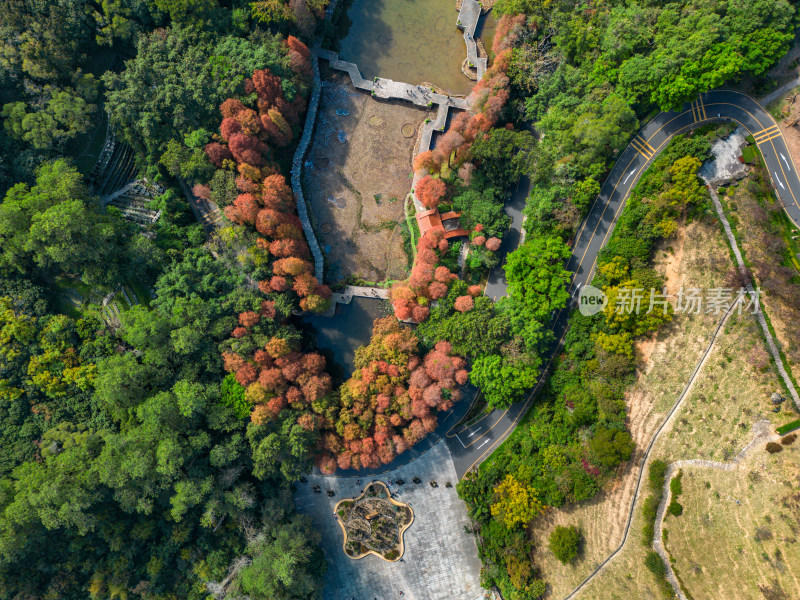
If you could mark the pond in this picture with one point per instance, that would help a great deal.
(340, 335)
(412, 41)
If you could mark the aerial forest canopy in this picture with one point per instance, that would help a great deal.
(150, 453)
(128, 470)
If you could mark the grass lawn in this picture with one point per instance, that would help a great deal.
(737, 535)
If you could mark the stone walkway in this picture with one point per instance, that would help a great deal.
(441, 559)
(468, 17)
(297, 169)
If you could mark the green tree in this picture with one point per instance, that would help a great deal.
(286, 564)
(611, 446)
(537, 278)
(564, 542)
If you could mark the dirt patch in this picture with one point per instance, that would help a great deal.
(356, 176)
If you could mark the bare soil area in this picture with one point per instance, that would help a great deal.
(356, 177)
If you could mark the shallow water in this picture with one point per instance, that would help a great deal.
(340, 335)
(412, 41)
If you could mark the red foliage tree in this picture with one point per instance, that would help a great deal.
(246, 209)
(464, 304)
(231, 107)
(299, 56)
(493, 244)
(228, 127)
(201, 191)
(246, 149)
(272, 379)
(262, 358)
(443, 246)
(445, 145)
(443, 274)
(276, 194)
(279, 284)
(284, 248)
(430, 191)
(276, 405)
(268, 221)
(327, 464)
(478, 240)
(267, 308)
(243, 184)
(249, 318)
(314, 363)
(246, 374)
(239, 332)
(217, 153)
(420, 313)
(267, 86)
(426, 160)
(462, 376)
(304, 284)
(437, 290)
(402, 308)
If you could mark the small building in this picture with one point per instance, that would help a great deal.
(448, 223)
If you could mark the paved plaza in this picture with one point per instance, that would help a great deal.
(441, 559)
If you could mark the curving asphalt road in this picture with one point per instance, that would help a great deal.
(472, 445)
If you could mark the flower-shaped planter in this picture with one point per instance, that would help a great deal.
(374, 523)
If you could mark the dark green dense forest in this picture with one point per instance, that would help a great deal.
(150, 453)
(127, 471)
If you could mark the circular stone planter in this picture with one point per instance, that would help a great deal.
(368, 520)
(326, 228)
(407, 130)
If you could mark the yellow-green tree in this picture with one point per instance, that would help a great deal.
(515, 503)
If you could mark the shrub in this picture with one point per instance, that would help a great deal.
(773, 447)
(788, 427)
(675, 486)
(789, 439)
(564, 542)
(654, 564)
(655, 476)
(675, 508)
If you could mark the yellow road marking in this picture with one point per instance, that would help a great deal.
(765, 133)
(771, 137)
(701, 106)
(641, 147)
